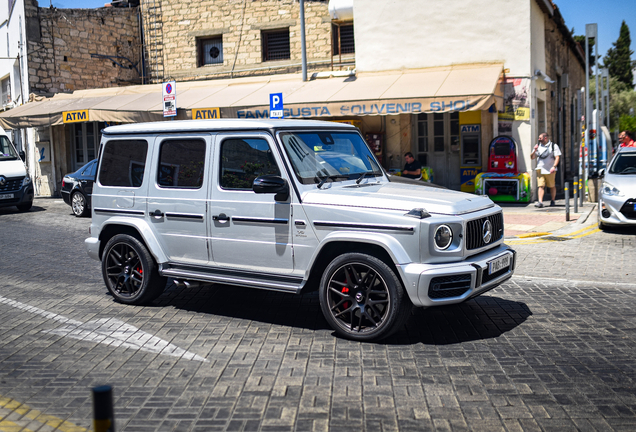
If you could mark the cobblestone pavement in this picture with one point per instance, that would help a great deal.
(552, 350)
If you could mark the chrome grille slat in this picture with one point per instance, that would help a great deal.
(474, 238)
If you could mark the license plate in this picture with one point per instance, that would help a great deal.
(495, 265)
(6, 196)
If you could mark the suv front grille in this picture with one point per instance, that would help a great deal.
(13, 184)
(628, 209)
(474, 231)
(449, 286)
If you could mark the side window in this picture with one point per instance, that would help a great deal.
(244, 159)
(181, 164)
(123, 163)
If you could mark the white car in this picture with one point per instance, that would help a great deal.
(291, 206)
(617, 197)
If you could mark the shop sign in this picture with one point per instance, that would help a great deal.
(205, 113)
(75, 116)
(410, 106)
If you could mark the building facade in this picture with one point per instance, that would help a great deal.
(440, 80)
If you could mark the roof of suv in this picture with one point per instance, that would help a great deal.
(221, 124)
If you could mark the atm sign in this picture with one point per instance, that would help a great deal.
(75, 116)
(206, 113)
(470, 128)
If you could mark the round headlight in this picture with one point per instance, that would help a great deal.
(443, 237)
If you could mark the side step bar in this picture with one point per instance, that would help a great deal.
(281, 283)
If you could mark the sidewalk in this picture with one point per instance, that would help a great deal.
(522, 220)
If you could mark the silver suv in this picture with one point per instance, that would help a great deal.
(291, 206)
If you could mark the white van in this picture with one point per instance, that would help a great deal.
(16, 188)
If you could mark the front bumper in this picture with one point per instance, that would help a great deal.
(21, 196)
(609, 210)
(459, 281)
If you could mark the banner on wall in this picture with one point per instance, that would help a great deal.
(516, 100)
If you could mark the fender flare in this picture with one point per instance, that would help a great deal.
(389, 243)
(153, 245)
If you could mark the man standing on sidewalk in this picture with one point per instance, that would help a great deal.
(548, 155)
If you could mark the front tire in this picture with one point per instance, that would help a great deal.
(362, 298)
(78, 204)
(130, 272)
(25, 207)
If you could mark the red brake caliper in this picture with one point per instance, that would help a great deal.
(344, 291)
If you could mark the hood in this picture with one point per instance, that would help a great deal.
(399, 196)
(626, 183)
(12, 168)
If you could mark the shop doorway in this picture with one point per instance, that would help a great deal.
(437, 146)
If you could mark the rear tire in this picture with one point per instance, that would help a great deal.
(130, 272)
(362, 298)
(78, 204)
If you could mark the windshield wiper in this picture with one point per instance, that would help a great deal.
(330, 177)
(363, 175)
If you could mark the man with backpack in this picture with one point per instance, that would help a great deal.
(548, 155)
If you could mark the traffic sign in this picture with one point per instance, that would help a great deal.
(169, 99)
(276, 105)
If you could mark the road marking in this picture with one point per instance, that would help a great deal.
(592, 229)
(109, 331)
(26, 412)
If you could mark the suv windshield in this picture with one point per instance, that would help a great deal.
(7, 152)
(624, 163)
(318, 157)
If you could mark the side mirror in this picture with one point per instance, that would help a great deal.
(269, 184)
(22, 155)
(601, 172)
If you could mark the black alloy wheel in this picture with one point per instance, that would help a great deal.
(362, 298)
(130, 272)
(78, 204)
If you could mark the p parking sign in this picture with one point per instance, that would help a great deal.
(276, 105)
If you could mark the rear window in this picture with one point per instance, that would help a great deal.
(123, 163)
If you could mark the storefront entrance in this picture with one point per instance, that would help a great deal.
(437, 146)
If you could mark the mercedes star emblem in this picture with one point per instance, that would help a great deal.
(487, 231)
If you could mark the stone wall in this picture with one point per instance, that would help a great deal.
(561, 60)
(62, 44)
(173, 27)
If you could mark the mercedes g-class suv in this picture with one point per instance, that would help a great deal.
(292, 206)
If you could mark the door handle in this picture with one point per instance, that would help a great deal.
(221, 218)
(157, 214)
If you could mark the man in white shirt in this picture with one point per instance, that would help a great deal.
(548, 155)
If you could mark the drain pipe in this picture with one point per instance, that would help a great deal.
(302, 39)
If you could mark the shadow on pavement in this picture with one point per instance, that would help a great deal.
(14, 210)
(484, 317)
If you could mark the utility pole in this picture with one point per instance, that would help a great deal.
(302, 39)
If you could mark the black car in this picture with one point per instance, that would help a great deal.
(77, 188)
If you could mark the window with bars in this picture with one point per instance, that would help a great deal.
(210, 50)
(343, 41)
(276, 44)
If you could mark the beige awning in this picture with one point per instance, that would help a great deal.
(442, 89)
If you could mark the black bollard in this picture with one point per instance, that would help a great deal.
(576, 194)
(103, 418)
(567, 201)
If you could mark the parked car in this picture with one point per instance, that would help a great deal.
(292, 206)
(16, 187)
(77, 188)
(617, 197)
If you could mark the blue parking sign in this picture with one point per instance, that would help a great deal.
(275, 105)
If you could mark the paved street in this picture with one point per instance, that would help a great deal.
(551, 350)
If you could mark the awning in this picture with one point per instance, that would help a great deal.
(442, 89)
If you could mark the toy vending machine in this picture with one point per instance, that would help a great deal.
(374, 141)
(503, 181)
